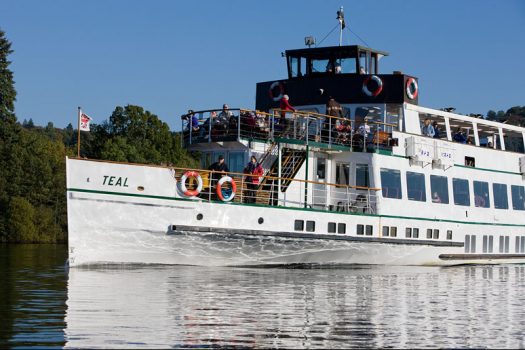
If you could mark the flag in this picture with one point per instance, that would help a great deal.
(84, 121)
(341, 18)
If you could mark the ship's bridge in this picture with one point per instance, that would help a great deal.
(350, 74)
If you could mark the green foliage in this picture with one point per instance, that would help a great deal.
(20, 221)
(7, 86)
(138, 136)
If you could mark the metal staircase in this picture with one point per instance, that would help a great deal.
(291, 162)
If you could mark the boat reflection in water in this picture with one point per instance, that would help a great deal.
(180, 306)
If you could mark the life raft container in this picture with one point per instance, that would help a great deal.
(411, 88)
(188, 175)
(229, 196)
(273, 96)
(377, 90)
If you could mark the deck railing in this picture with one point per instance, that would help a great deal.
(308, 127)
(299, 193)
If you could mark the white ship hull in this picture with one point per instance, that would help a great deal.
(111, 224)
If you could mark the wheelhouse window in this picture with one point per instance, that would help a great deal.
(518, 197)
(320, 66)
(500, 196)
(481, 194)
(461, 192)
(362, 177)
(416, 187)
(391, 183)
(439, 189)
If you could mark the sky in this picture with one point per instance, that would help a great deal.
(172, 55)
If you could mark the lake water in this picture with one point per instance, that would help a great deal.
(44, 304)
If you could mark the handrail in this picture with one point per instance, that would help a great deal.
(316, 115)
(275, 178)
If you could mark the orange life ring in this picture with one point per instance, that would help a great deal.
(219, 189)
(184, 189)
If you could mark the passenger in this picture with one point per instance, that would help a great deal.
(338, 68)
(459, 136)
(333, 109)
(255, 169)
(285, 106)
(362, 70)
(469, 140)
(427, 129)
(218, 170)
(223, 119)
(362, 132)
(437, 132)
(436, 198)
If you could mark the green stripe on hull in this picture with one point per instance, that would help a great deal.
(299, 209)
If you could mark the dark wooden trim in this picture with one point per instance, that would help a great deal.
(480, 256)
(181, 229)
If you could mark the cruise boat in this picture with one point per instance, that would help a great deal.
(329, 193)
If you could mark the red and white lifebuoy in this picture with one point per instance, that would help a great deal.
(377, 90)
(412, 88)
(219, 189)
(187, 175)
(273, 96)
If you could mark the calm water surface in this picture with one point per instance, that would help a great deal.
(43, 304)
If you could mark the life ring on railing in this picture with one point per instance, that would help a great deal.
(412, 89)
(184, 189)
(377, 90)
(281, 91)
(219, 189)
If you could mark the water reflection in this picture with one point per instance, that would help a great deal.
(32, 295)
(358, 307)
(41, 305)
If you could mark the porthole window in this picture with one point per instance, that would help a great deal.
(331, 227)
(200, 216)
(360, 230)
(408, 232)
(341, 228)
(369, 230)
(385, 231)
(429, 233)
(260, 221)
(299, 225)
(449, 234)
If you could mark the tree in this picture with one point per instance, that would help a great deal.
(20, 217)
(7, 86)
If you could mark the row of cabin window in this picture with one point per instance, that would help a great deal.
(388, 231)
(416, 190)
(488, 244)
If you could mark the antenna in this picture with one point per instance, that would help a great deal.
(342, 25)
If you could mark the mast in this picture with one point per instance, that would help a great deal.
(342, 25)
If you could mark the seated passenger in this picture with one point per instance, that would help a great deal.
(436, 198)
(437, 131)
(362, 70)
(362, 133)
(459, 136)
(427, 129)
(222, 120)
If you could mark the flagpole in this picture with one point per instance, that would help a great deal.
(78, 137)
(341, 19)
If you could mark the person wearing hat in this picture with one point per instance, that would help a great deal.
(223, 119)
(218, 169)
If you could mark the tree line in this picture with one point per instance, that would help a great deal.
(32, 160)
